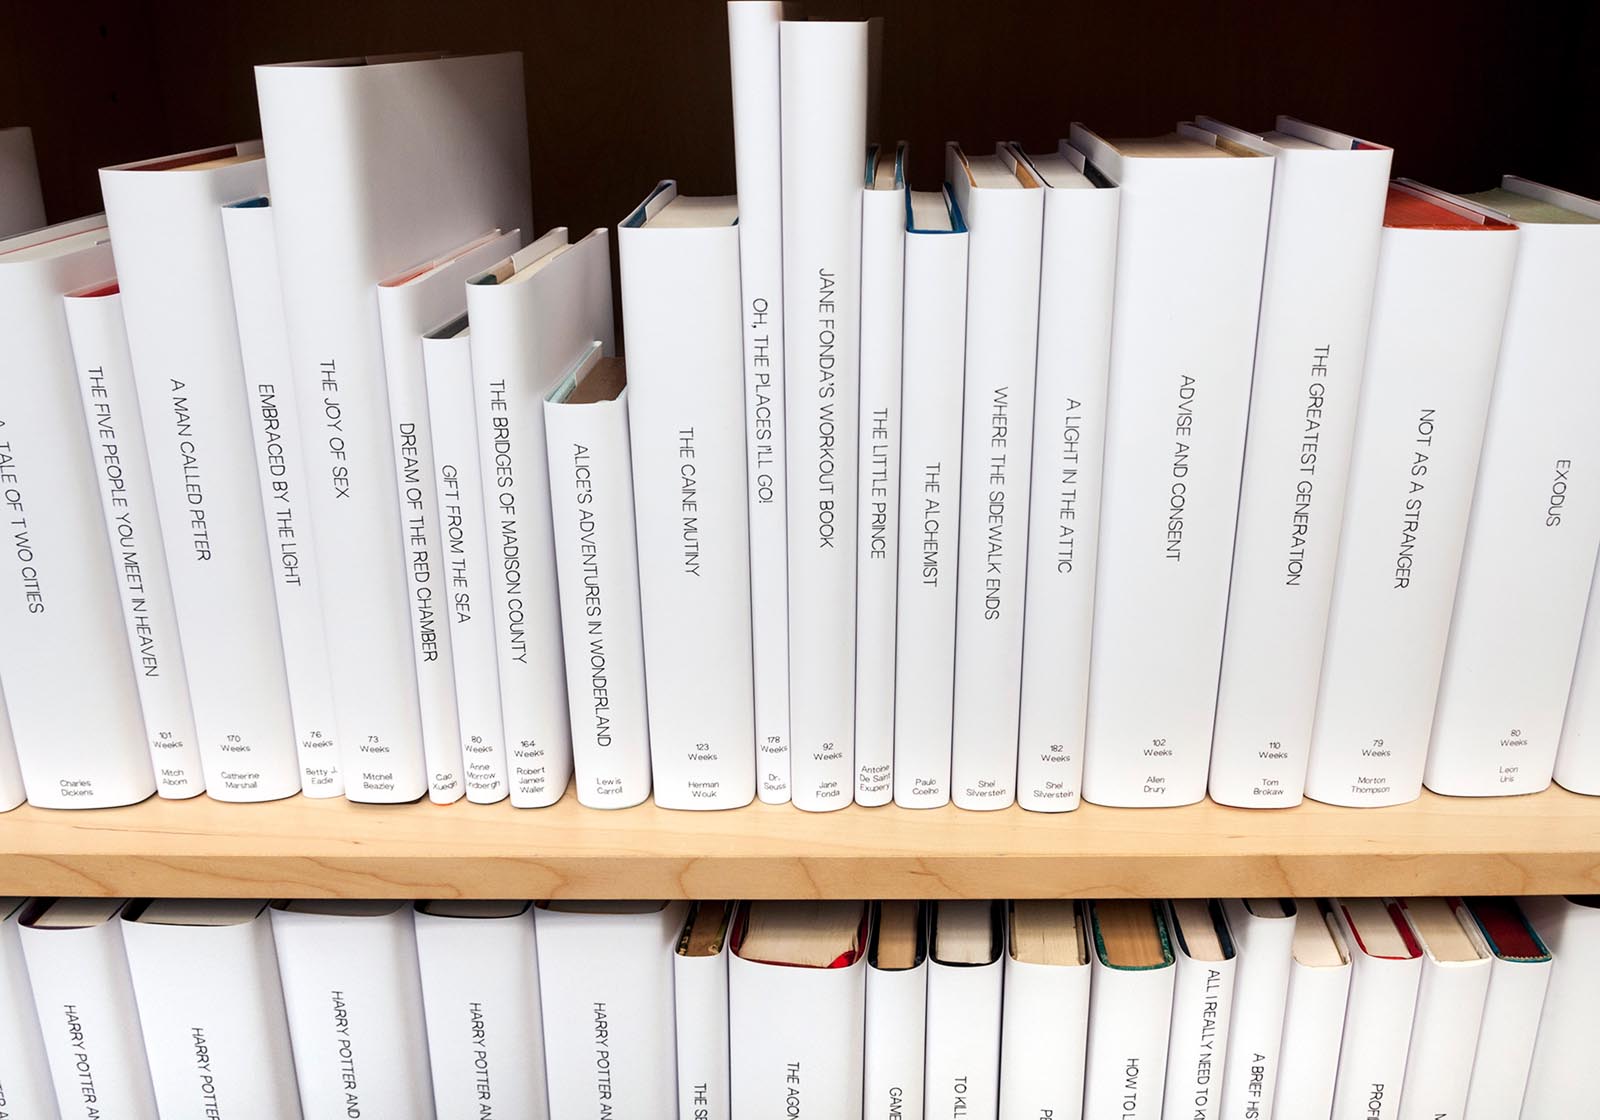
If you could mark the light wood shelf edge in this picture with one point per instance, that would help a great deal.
(1546, 843)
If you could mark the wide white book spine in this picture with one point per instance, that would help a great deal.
(930, 502)
(177, 302)
(1436, 318)
(1529, 555)
(89, 1018)
(480, 995)
(1377, 1030)
(894, 1062)
(1316, 300)
(1564, 1080)
(700, 988)
(21, 199)
(526, 336)
(963, 1040)
(1202, 1004)
(1511, 1013)
(375, 167)
(354, 1001)
(212, 1015)
(597, 561)
(281, 473)
(128, 501)
(11, 792)
(1191, 239)
(1043, 1040)
(1444, 1035)
(25, 1085)
(1265, 948)
(465, 555)
(680, 292)
(70, 683)
(824, 107)
(1130, 1019)
(1313, 1025)
(753, 31)
(605, 984)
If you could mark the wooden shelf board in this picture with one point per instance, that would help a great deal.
(1546, 843)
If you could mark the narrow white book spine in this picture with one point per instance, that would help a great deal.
(1313, 1024)
(21, 199)
(1043, 1040)
(465, 558)
(1202, 1003)
(25, 1086)
(1444, 1034)
(1436, 319)
(1130, 1020)
(753, 31)
(1564, 1080)
(894, 1060)
(700, 999)
(1077, 271)
(128, 501)
(824, 106)
(1377, 1030)
(597, 563)
(480, 995)
(11, 792)
(1511, 1014)
(930, 502)
(963, 1040)
(177, 303)
(1577, 762)
(1265, 948)
(281, 472)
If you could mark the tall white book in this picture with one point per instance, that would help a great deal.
(1316, 300)
(1385, 972)
(1450, 1005)
(753, 52)
(1564, 1079)
(1130, 1008)
(934, 359)
(597, 564)
(1077, 272)
(88, 1014)
(480, 996)
(413, 302)
(210, 1008)
(376, 164)
(281, 472)
(1263, 935)
(11, 792)
(1577, 762)
(1444, 272)
(680, 295)
(700, 1001)
(71, 687)
(1191, 238)
(25, 1086)
(128, 501)
(823, 69)
(177, 301)
(21, 200)
(1313, 1018)
(533, 318)
(1519, 977)
(1202, 1006)
(1003, 205)
(966, 981)
(354, 1000)
(894, 1049)
(1529, 555)
(1045, 1029)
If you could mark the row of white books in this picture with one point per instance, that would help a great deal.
(1059, 481)
(1239, 1009)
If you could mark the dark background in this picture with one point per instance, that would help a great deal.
(621, 94)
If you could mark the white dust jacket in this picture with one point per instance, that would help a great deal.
(354, 999)
(11, 792)
(416, 301)
(1191, 238)
(753, 31)
(1577, 761)
(480, 995)
(883, 247)
(464, 545)
(281, 474)
(680, 293)
(526, 336)
(1130, 1020)
(88, 1017)
(59, 603)
(177, 302)
(1377, 1028)
(824, 77)
(25, 1085)
(128, 501)
(1565, 1079)
(1517, 987)
(1077, 272)
(21, 199)
(1316, 302)
(605, 983)
(930, 502)
(1530, 550)
(1265, 951)
(1313, 1025)
(1005, 229)
(1444, 1032)
(963, 1041)
(597, 565)
(894, 1050)
(375, 165)
(212, 1015)
(1044, 1038)
(1202, 1006)
(1436, 319)
(700, 1001)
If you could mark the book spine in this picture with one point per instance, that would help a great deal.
(1450, 1007)
(1313, 1023)
(128, 502)
(930, 502)
(1505, 1045)
(700, 997)
(753, 30)
(894, 1052)
(281, 472)
(1201, 1004)
(1577, 762)
(1130, 1020)
(1377, 1036)
(679, 289)
(1265, 948)
(1564, 1077)
(824, 96)
(25, 1085)
(1077, 271)
(591, 501)
(1436, 319)
(11, 792)
(464, 559)
(1322, 256)
(883, 238)
(963, 1040)
(1043, 1038)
